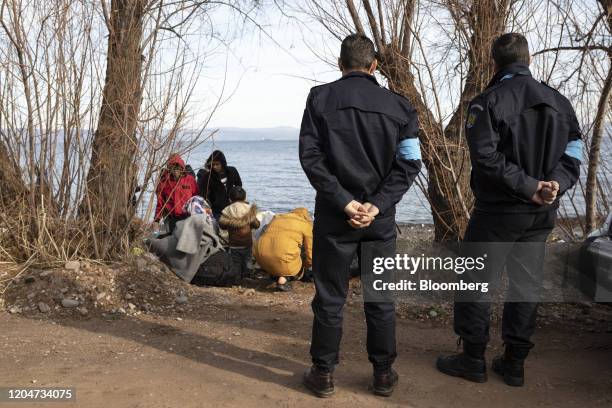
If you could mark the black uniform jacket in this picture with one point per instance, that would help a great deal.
(520, 131)
(358, 141)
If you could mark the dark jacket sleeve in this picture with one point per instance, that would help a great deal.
(483, 138)
(405, 168)
(314, 160)
(567, 171)
(233, 176)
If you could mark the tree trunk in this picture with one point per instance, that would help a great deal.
(396, 69)
(112, 175)
(13, 191)
(452, 195)
(446, 156)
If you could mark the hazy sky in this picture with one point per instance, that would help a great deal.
(271, 81)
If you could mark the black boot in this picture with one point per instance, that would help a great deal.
(470, 364)
(511, 366)
(385, 382)
(319, 381)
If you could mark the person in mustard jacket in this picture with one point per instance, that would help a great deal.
(285, 248)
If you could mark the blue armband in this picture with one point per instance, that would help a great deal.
(574, 149)
(409, 149)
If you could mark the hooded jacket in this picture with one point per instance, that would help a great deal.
(173, 194)
(212, 188)
(279, 249)
(239, 219)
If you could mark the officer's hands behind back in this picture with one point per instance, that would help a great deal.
(546, 193)
(360, 215)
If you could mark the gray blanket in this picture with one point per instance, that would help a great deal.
(193, 241)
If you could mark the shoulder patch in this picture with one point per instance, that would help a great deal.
(473, 112)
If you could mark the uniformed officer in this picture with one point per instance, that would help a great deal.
(359, 150)
(525, 147)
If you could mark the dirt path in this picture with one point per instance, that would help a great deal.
(251, 351)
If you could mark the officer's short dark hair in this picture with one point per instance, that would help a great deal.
(237, 193)
(357, 52)
(509, 48)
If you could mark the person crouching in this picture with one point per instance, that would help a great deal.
(284, 250)
(239, 218)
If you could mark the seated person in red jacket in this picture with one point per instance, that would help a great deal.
(174, 189)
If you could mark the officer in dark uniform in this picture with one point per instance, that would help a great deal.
(525, 147)
(359, 149)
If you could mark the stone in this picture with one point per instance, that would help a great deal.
(121, 310)
(43, 307)
(433, 313)
(129, 297)
(181, 299)
(73, 266)
(46, 273)
(83, 311)
(31, 295)
(64, 290)
(100, 295)
(70, 303)
(132, 306)
(15, 310)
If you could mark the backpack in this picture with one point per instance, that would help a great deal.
(217, 271)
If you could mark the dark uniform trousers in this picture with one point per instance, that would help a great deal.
(516, 241)
(334, 245)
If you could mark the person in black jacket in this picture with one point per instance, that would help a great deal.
(215, 181)
(525, 146)
(359, 150)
